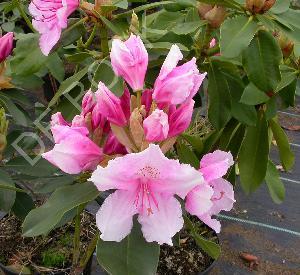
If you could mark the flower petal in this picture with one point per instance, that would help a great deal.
(164, 222)
(215, 165)
(114, 218)
(212, 223)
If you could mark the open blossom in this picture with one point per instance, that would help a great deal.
(175, 84)
(156, 126)
(73, 151)
(129, 60)
(50, 17)
(6, 45)
(215, 189)
(145, 184)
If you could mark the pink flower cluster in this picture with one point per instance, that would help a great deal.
(142, 127)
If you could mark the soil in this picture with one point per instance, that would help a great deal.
(186, 257)
(43, 254)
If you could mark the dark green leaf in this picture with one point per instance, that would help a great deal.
(186, 155)
(7, 196)
(236, 34)
(253, 155)
(23, 205)
(287, 94)
(132, 256)
(261, 61)
(42, 219)
(274, 183)
(195, 141)
(287, 157)
(56, 66)
(253, 96)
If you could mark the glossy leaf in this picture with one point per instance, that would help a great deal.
(261, 61)
(274, 183)
(42, 219)
(132, 256)
(7, 196)
(236, 35)
(253, 155)
(253, 96)
(23, 205)
(287, 157)
(186, 155)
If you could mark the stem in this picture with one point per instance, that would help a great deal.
(139, 98)
(91, 38)
(82, 20)
(104, 41)
(89, 251)
(20, 8)
(76, 242)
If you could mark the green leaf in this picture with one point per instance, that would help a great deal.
(41, 168)
(280, 6)
(28, 58)
(187, 27)
(274, 183)
(253, 96)
(288, 93)
(68, 85)
(253, 155)
(292, 17)
(132, 256)
(236, 35)
(74, 31)
(261, 61)
(56, 66)
(186, 155)
(287, 77)
(210, 247)
(7, 196)
(195, 141)
(219, 111)
(23, 205)
(42, 219)
(287, 157)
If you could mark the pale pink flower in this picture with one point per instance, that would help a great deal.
(129, 60)
(58, 119)
(174, 85)
(73, 151)
(156, 126)
(213, 43)
(180, 117)
(78, 121)
(50, 17)
(146, 183)
(111, 106)
(216, 189)
(6, 45)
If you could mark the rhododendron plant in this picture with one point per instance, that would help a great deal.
(6, 45)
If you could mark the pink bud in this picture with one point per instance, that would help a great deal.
(6, 45)
(58, 119)
(125, 103)
(175, 85)
(147, 99)
(78, 121)
(212, 43)
(156, 126)
(110, 106)
(129, 60)
(88, 102)
(180, 118)
(113, 146)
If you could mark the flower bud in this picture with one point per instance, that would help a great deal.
(203, 9)
(3, 131)
(6, 45)
(285, 44)
(58, 119)
(259, 6)
(134, 24)
(88, 102)
(156, 126)
(216, 16)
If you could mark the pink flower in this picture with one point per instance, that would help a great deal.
(110, 106)
(180, 118)
(78, 121)
(147, 99)
(73, 151)
(212, 43)
(156, 126)
(146, 183)
(50, 17)
(88, 102)
(113, 146)
(174, 85)
(216, 190)
(129, 60)
(57, 119)
(6, 45)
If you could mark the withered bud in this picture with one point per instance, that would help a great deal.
(134, 24)
(5, 81)
(3, 131)
(259, 6)
(285, 44)
(203, 9)
(133, 103)
(123, 137)
(136, 126)
(167, 144)
(216, 16)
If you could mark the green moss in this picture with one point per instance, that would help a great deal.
(66, 240)
(53, 258)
